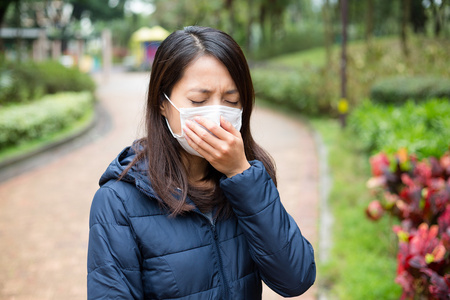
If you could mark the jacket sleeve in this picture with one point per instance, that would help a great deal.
(113, 255)
(284, 257)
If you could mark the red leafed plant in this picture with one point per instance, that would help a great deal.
(423, 263)
(418, 194)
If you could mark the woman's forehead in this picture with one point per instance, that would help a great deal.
(206, 74)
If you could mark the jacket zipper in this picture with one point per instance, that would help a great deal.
(222, 273)
(226, 289)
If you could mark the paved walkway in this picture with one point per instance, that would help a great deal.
(44, 211)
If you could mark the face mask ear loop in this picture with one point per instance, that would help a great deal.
(171, 102)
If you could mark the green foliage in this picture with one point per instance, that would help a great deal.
(362, 262)
(20, 123)
(311, 57)
(303, 92)
(367, 63)
(400, 89)
(290, 41)
(31, 80)
(422, 128)
(98, 10)
(262, 28)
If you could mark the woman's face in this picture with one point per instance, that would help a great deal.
(206, 81)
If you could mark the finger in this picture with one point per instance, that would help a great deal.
(201, 131)
(199, 139)
(214, 128)
(225, 124)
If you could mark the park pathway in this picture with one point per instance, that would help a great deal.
(44, 212)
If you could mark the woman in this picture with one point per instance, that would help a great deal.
(192, 211)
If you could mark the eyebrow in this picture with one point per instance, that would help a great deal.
(199, 90)
(232, 92)
(206, 91)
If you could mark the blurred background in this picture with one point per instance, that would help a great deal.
(370, 79)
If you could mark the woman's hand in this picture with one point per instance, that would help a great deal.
(222, 146)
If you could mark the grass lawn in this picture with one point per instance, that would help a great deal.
(34, 145)
(362, 263)
(316, 56)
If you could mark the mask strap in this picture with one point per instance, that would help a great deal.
(171, 102)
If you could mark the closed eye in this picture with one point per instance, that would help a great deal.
(197, 102)
(232, 102)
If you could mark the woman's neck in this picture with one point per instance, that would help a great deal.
(196, 167)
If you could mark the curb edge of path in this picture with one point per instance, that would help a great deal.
(325, 216)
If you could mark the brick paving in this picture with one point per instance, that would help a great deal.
(44, 211)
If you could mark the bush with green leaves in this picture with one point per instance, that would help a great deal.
(397, 90)
(303, 91)
(25, 122)
(23, 82)
(290, 41)
(422, 128)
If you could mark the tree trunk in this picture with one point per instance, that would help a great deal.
(248, 38)
(406, 4)
(230, 8)
(3, 9)
(4, 4)
(344, 20)
(369, 21)
(437, 16)
(328, 32)
(262, 22)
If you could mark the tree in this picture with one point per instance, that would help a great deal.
(369, 21)
(99, 9)
(417, 16)
(438, 15)
(344, 101)
(406, 4)
(3, 9)
(328, 24)
(4, 4)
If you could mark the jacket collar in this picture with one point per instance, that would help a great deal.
(137, 175)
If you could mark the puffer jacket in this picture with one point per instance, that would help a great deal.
(136, 251)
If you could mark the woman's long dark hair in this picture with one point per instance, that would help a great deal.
(160, 150)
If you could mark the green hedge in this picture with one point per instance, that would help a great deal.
(422, 128)
(25, 122)
(400, 89)
(302, 91)
(31, 80)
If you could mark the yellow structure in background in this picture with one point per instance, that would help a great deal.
(144, 43)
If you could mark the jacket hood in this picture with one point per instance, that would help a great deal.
(137, 175)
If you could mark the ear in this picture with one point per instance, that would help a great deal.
(162, 107)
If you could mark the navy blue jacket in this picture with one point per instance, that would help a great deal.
(136, 251)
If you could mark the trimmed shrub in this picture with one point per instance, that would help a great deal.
(422, 128)
(52, 113)
(397, 90)
(303, 91)
(58, 78)
(28, 81)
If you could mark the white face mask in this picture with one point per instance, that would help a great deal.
(211, 112)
